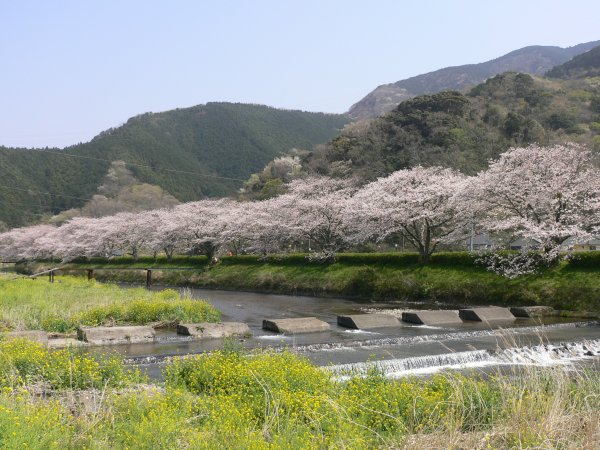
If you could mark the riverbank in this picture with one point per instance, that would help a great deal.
(62, 307)
(451, 278)
(225, 399)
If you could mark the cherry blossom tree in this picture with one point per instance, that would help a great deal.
(417, 202)
(19, 243)
(166, 235)
(316, 209)
(546, 194)
(202, 225)
(257, 227)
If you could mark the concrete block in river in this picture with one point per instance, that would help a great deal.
(366, 321)
(295, 326)
(213, 330)
(65, 342)
(434, 317)
(490, 314)
(41, 337)
(116, 335)
(532, 311)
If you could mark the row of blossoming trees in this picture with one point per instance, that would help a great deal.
(546, 194)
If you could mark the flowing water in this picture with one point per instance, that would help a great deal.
(406, 349)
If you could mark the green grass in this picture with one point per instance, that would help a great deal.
(449, 279)
(267, 400)
(563, 287)
(30, 304)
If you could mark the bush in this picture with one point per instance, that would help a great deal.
(453, 259)
(396, 259)
(381, 259)
(588, 260)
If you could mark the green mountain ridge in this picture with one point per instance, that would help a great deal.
(206, 150)
(581, 66)
(534, 60)
(465, 131)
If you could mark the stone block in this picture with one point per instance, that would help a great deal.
(296, 326)
(41, 337)
(367, 321)
(116, 335)
(490, 314)
(65, 342)
(208, 330)
(532, 311)
(434, 317)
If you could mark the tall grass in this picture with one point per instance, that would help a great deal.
(229, 399)
(71, 302)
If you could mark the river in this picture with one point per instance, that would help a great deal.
(398, 351)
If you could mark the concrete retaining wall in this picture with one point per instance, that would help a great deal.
(296, 326)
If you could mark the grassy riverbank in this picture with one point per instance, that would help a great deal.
(29, 304)
(229, 400)
(451, 278)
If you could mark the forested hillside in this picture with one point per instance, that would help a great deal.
(464, 131)
(197, 152)
(584, 65)
(534, 60)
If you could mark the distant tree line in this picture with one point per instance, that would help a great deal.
(546, 194)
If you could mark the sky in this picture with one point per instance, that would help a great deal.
(71, 69)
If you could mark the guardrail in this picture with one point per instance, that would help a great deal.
(91, 272)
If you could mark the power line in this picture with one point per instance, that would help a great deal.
(93, 158)
(42, 208)
(32, 192)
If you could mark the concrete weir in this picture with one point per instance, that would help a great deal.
(490, 314)
(367, 321)
(432, 317)
(213, 330)
(115, 335)
(532, 311)
(295, 326)
(41, 337)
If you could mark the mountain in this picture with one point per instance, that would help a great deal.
(207, 151)
(534, 60)
(581, 66)
(464, 131)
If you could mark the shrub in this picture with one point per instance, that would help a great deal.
(588, 260)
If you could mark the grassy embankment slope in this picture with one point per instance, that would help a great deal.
(451, 278)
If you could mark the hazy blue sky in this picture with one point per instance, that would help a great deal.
(70, 69)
